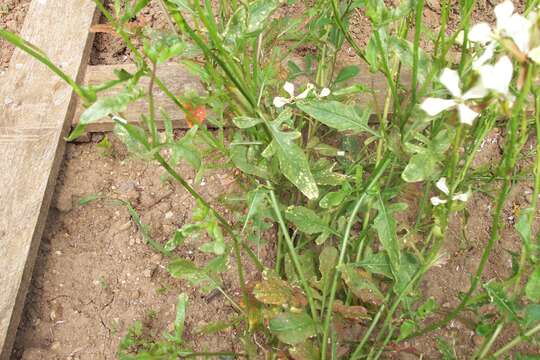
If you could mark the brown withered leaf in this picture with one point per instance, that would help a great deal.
(274, 291)
(361, 284)
(304, 351)
(353, 312)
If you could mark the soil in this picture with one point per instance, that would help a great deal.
(95, 277)
(12, 13)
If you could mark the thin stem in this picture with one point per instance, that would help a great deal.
(534, 199)
(343, 250)
(220, 218)
(368, 333)
(516, 341)
(489, 343)
(416, 48)
(293, 254)
(506, 168)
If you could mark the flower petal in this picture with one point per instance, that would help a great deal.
(462, 197)
(503, 12)
(436, 201)
(498, 77)
(289, 88)
(434, 106)
(486, 56)
(280, 102)
(534, 55)
(478, 91)
(450, 79)
(324, 92)
(481, 33)
(518, 28)
(306, 92)
(441, 185)
(466, 114)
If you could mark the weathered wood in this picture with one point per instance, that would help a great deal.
(36, 110)
(178, 80)
(174, 76)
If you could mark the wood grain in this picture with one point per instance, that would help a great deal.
(36, 109)
(174, 76)
(178, 80)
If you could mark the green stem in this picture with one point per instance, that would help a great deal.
(44, 59)
(506, 168)
(516, 341)
(343, 250)
(356, 354)
(220, 218)
(489, 343)
(534, 199)
(292, 252)
(418, 30)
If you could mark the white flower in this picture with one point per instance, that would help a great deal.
(497, 77)
(443, 187)
(509, 24)
(289, 88)
(450, 79)
(324, 92)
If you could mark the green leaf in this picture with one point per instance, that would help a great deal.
(532, 315)
(239, 156)
(249, 24)
(338, 115)
(293, 161)
(245, 122)
(180, 235)
(323, 173)
(408, 267)
(102, 108)
(404, 51)
(406, 329)
(377, 263)
(532, 289)
(333, 198)
(350, 90)
(385, 225)
(499, 297)
(427, 308)
(256, 199)
(180, 316)
(293, 328)
(423, 165)
(328, 260)
(306, 220)
(419, 168)
(90, 198)
(523, 227)
(348, 72)
(187, 270)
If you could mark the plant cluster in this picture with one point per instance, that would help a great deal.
(330, 173)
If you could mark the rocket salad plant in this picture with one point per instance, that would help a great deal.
(330, 174)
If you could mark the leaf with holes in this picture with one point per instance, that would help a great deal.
(306, 220)
(293, 161)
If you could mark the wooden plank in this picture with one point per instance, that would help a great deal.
(178, 80)
(36, 109)
(174, 76)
